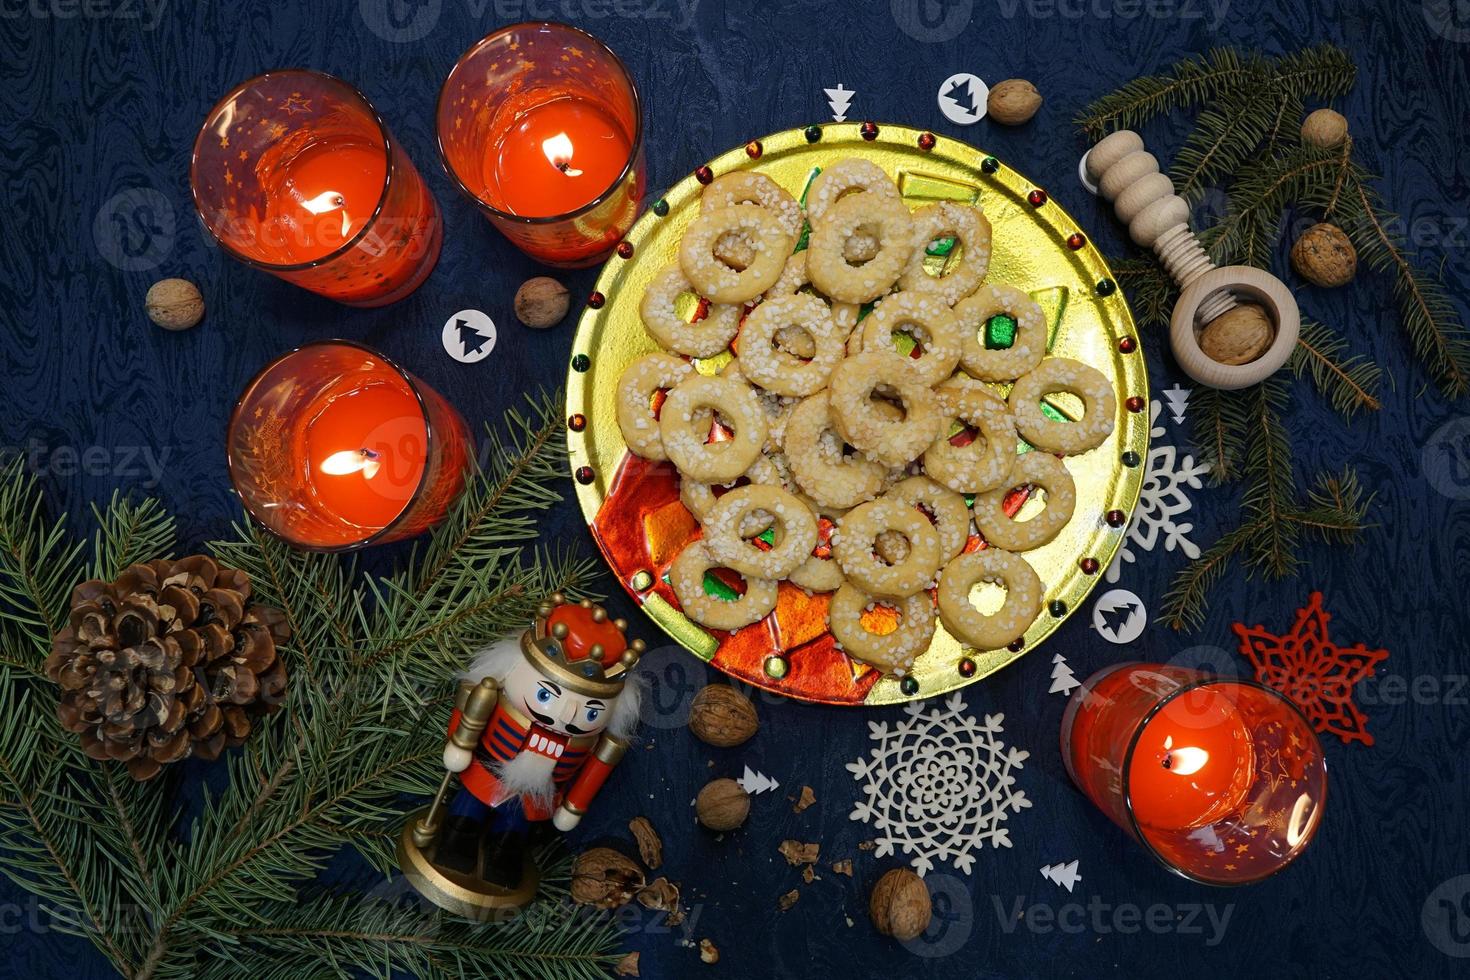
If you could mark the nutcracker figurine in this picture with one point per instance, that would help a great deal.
(538, 725)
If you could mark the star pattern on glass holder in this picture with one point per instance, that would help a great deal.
(1317, 674)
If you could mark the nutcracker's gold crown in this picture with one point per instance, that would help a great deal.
(576, 645)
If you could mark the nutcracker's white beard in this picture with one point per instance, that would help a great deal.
(528, 774)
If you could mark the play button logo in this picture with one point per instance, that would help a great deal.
(469, 336)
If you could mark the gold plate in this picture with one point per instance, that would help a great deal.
(632, 506)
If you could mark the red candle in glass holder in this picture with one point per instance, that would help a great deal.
(1222, 780)
(295, 173)
(541, 125)
(334, 447)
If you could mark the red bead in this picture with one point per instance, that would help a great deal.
(1115, 518)
(1076, 240)
(1136, 403)
(753, 149)
(596, 300)
(869, 131)
(584, 474)
(1037, 197)
(1088, 565)
(926, 141)
(704, 175)
(625, 250)
(1128, 345)
(1016, 645)
(577, 422)
(967, 667)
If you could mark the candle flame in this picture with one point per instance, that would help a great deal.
(1185, 760)
(351, 461)
(558, 150)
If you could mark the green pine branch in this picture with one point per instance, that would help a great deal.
(1270, 489)
(1348, 381)
(1221, 419)
(1186, 84)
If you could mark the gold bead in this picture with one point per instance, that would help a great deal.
(557, 598)
(639, 646)
(629, 657)
(596, 652)
(560, 631)
(621, 624)
(599, 614)
(585, 603)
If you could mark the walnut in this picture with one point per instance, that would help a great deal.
(1325, 128)
(1013, 102)
(806, 799)
(721, 716)
(900, 905)
(174, 304)
(628, 965)
(1324, 256)
(789, 899)
(650, 847)
(795, 852)
(662, 895)
(722, 805)
(604, 878)
(1238, 336)
(708, 951)
(541, 302)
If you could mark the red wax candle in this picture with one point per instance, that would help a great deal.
(541, 125)
(1222, 780)
(295, 173)
(333, 447)
(556, 157)
(1193, 762)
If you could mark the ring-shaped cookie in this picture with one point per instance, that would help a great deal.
(1027, 348)
(634, 401)
(719, 282)
(828, 476)
(700, 498)
(763, 363)
(1038, 469)
(926, 318)
(686, 575)
(830, 271)
(971, 229)
(994, 630)
(846, 176)
(795, 531)
(684, 425)
(857, 533)
(702, 338)
(893, 652)
(794, 279)
(748, 187)
(986, 461)
(888, 440)
(946, 509)
(1063, 374)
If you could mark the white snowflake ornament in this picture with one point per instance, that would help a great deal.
(939, 785)
(1161, 502)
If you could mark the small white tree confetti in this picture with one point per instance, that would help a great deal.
(939, 785)
(1062, 874)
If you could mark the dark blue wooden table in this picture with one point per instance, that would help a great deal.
(102, 98)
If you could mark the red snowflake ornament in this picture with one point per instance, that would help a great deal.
(1315, 673)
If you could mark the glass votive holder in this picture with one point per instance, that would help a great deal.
(1222, 780)
(296, 174)
(333, 447)
(541, 126)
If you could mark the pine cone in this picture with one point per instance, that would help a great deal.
(170, 660)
